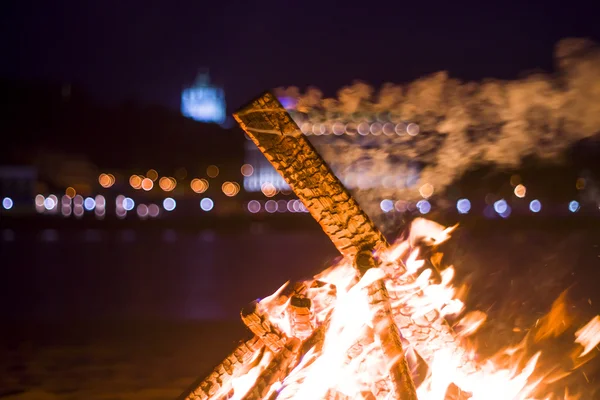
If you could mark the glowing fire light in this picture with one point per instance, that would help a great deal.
(348, 362)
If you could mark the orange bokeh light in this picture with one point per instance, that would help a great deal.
(520, 191)
(199, 185)
(230, 189)
(268, 189)
(106, 180)
(167, 183)
(212, 171)
(147, 184)
(70, 192)
(136, 181)
(152, 174)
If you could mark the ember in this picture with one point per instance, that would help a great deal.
(373, 325)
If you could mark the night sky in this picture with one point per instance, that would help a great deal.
(147, 50)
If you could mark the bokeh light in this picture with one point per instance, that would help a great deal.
(282, 206)
(135, 181)
(89, 203)
(515, 179)
(413, 129)
(66, 211)
(121, 213)
(254, 206)
(271, 206)
(386, 205)
(506, 212)
(401, 206)
(247, 170)
(169, 204)
(7, 203)
(78, 200)
(535, 206)
(147, 184)
(100, 201)
(290, 206)
(106, 180)
(199, 185)
(142, 210)
(100, 213)
(268, 189)
(39, 200)
(376, 128)
(78, 211)
(71, 192)
(338, 128)
(463, 206)
(520, 191)
(66, 201)
(49, 203)
(500, 206)
(212, 171)
(574, 206)
(128, 204)
(230, 189)
(153, 210)
(206, 204)
(152, 174)
(167, 184)
(400, 129)
(426, 190)
(388, 129)
(423, 206)
(363, 129)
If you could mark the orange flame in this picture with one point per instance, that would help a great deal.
(350, 362)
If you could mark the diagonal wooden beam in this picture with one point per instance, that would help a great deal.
(278, 137)
(276, 134)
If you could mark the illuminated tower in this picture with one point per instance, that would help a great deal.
(204, 102)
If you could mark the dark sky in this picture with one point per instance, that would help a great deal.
(147, 50)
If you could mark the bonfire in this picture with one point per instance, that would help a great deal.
(374, 324)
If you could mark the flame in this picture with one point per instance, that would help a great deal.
(349, 361)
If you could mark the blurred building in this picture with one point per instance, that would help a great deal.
(204, 102)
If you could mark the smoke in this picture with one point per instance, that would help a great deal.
(461, 125)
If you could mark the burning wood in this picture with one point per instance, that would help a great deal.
(219, 382)
(262, 327)
(341, 334)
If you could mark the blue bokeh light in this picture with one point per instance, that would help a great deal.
(463, 206)
(574, 206)
(424, 206)
(206, 204)
(128, 203)
(89, 203)
(535, 206)
(386, 205)
(500, 206)
(7, 203)
(506, 212)
(49, 203)
(169, 204)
